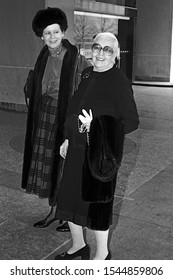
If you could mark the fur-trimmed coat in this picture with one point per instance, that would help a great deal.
(72, 67)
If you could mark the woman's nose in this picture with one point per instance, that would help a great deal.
(52, 35)
(101, 52)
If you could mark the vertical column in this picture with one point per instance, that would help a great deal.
(171, 58)
(68, 7)
(153, 41)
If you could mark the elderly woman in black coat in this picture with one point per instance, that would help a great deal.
(99, 114)
(55, 77)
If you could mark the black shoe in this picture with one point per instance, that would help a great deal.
(44, 223)
(63, 228)
(84, 253)
(108, 257)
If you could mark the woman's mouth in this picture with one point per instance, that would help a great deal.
(52, 42)
(100, 58)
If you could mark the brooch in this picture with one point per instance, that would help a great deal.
(86, 75)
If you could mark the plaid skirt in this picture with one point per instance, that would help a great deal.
(39, 178)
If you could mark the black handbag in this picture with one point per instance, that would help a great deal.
(94, 189)
(105, 149)
(102, 159)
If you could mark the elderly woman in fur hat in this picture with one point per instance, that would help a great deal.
(55, 77)
(99, 114)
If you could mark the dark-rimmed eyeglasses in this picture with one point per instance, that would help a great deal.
(96, 48)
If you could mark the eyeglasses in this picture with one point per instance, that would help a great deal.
(96, 48)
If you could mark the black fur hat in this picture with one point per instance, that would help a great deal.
(46, 17)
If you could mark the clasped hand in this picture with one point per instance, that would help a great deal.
(86, 119)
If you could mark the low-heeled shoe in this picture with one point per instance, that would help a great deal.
(44, 223)
(84, 253)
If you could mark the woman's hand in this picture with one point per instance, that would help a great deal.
(64, 148)
(86, 119)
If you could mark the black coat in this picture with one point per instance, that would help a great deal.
(115, 115)
(90, 171)
(72, 66)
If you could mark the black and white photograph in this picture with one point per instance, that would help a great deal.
(86, 139)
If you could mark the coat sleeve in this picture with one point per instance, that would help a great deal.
(29, 84)
(126, 103)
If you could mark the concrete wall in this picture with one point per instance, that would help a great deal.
(153, 40)
(19, 48)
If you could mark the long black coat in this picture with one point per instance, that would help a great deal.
(83, 198)
(72, 66)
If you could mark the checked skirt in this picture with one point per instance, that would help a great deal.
(42, 157)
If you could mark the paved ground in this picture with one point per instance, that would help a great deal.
(143, 206)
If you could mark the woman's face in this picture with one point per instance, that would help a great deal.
(52, 35)
(103, 53)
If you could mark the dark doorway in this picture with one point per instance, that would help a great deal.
(126, 40)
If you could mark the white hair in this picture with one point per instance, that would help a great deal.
(109, 35)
